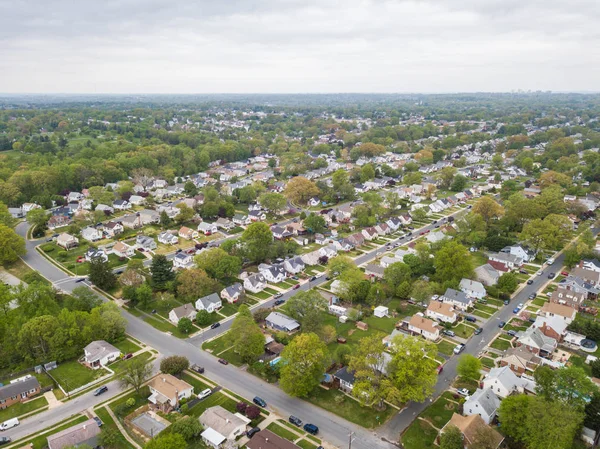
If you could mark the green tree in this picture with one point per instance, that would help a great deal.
(452, 262)
(11, 245)
(551, 424)
(109, 437)
(188, 427)
(185, 214)
(419, 214)
(6, 218)
(513, 414)
(101, 274)
(367, 172)
(135, 373)
(303, 363)
(315, 223)
(308, 309)
(273, 202)
(143, 295)
(185, 325)
(451, 438)
(421, 291)
(569, 386)
(299, 190)
(445, 177)
(396, 274)
(165, 221)
(257, 239)
(459, 183)
(245, 336)
(508, 282)
(175, 364)
(218, 264)
(195, 283)
(488, 208)
(469, 367)
(167, 441)
(162, 272)
(39, 219)
(203, 318)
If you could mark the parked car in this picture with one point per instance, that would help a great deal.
(204, 393)
(522, 271)
(440, 368)
(4, 440)
(9, 424)
(295, 278)
(98, 421)
(449, 333)
(529, 281)
(313, 278)
(223, 362)
(296, 287)
(532, 296)
(99, 391)
(459, 348)
(80, 280)
(551, 275)
(564, 273)
(512, 333)
(250, 433)
(470, 319)
(550, 261)
(501, 324)
(278, 295)
(259, 401)
(197, 368)
(127, 356)
(506, 302)
(463, 392)
(295, 421)
(516, 310)
(482, 301)
(215, 325)
(478, 331)
(539, 273)
(278, 302)
(435, 297)
(311, 428)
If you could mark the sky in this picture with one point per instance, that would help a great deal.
(298, 46)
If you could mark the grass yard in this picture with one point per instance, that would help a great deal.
(579, 362)
(22, 271)
(73, 375)
(119, 407)
(481, 314)
(21, 408)
(487, 362)
(197, 383)
(350, 409)
(109, 423)
(440, 412)
(232, 357)
(488, 309)
(270, 291)
(126, 346)
(282, 432)
(217, 345)
(164, 326)
(500, 344)
(479, 258)
(419, 435)
(462, 330)
(262, 295)
(445, 347)
(214, 399)
(120, 365)
(305, 444)
(539, 301)
(495, 302)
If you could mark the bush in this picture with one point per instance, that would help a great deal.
(62, 256)
(174, 364)
(33, 276)
(48, 247)
(130, 402)
(252, 412)
(241, 407)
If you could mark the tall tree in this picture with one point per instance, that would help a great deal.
(11, 245)
(135, 373)
(307, 308)
(488, 208)
(469, 367)
(245, 336)
(299, 190)
(445, 177)
(101, 274)
(218, 264)
(194, 283)
(452, 262)
(303, 364)
(315, 223)
(257, 239)
(452, 438)
(273, 202)
(162, 272)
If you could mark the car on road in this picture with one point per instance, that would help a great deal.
(223, 362)
(440, 368)
(99, 391)
(539, 273)
(250, 433)
(463, 392)
(215, 325)
(532, 296)
(437, 226)
(278, 302)
(295, 421)
(311, 428)
(313, 278)
(449, 333)
(80, 280)
(550, 261)
(529, 281)
(459, 348)
(259, 401)
(470, 319)
(501, 324)
(512, 333)
(204, 393)
(506, 302)
(551, 275)
(478, 331)
(4, 440)
(296, 287)
(516, 310)
(295, 278)
(197, 368)
(278, 295)
(98, 421)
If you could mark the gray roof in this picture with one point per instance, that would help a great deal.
(234, 289)
(98, 349)
(256, 279)
(474, 286)
(534, 337)
(213, 298)
(15, 389)
(184, 310)
(282, 321)
(455, 295)
(75, 435)
(485, 399)
(345, 375)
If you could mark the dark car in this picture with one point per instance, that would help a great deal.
(197, 368)
(551, 275)
(100, 390)
(522, 271)
(478, 331)
(98, 421)
(313, 278)
(506, 302)
(516, 310)
(127, 356)
(252, 432)
(223, 362)
(4, 440)
(279, 302)
(259, 401)
(502, 324)
(295, 421)
(471, 319)
(80, 280)
(215, 325)
(532, 296)
(512, 333)
(296, 287)
(530, 281)
(311, 428)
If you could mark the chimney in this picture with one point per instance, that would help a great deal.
(164, 380)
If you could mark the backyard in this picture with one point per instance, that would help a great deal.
(72, 375)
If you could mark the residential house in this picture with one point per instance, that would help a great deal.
(187, 233)
(357, 239)
(183, 260)
(590, 264)
(420, 325)
(484, 403)
(441, 311)
(579, 285)
(255, 283)
(472, 289)
(345, 378)
(113, 228)
(167, 238)
(58, 221)
(145, 242)
(589, 276)
(273, 273)
(565, 296)
(436, 236)
(328, 251)
(511, 261)
(281, 322)
(121, 205)
(294, 265)
(370, 233)
(458, 299)
(487, 274)
(504, 382)
(386, 261)
(207, 228)
(520, 251)
(280, 232)
(520, 360)
(85, 434)
(167, 391)
(383, 229)
(131, 221)
(470, 427)
(121, 249)
(241, 219)
(343, 245)
(184, 311)
(99, 353)
(394, 223)
(225, 223)
(149, 216)
(534, 340)
(374, 270)
(74, 197)
(210, 303)
(136, 200)
(67, 241)
(108, 210)
(265, 439)
(221, 426)
(91, 234)
(554, 327)
(256, 215)
(96, 253)
(232, 293)
(18, 391)
(311, 258)
(551, 309)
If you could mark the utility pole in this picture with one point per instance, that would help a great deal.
(350, 439)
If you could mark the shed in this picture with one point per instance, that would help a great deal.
(362, 326)
(381, 312)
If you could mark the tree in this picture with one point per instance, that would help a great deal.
(185, 214)
(257, 239)
(452, 262)
(245, 336)
(203, 318)
(469, 367)
(592, 412)
(185, 325)
(328, 334)
(315, 223)
(273, 202)
(143, 295)
(165, 221)
(513, 414)
(508, 282)
(421, 291)
(82, 298)
(488, 208)
(569, 386)
(167, 441)
(551, 178)
(101, 274)
(109, 437)
(218, 264)
(300, 190)
(252, 411)
(485, 438)
(5, 217)
(307, 308)
(445, 177)
(551, 424)
(162, 272)
(397, 273)
(11, 245)
(188, 427)
(367, 172)
(135, 372)
(303, 363)
(39, 219)
(419, 214)
(412, 178)
(339, 264)
(547, 233)
(175, 364)
(459, 183)
(451, 438)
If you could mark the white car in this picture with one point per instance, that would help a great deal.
(459, 348)
(205, 393)
(435, 297)
(550, 261)
(463, 392)
(539, 273)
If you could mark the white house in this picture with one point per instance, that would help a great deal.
(420, 325)
(121, 205)
(255, 283)
(67, 241)
(381, 312)
(228, 425)
(187, 233)
(209, 303)
(121, 249)
(99, 353)
(232, 293)
(207, 228)
(167, 238)
(94, 253)
(294, 265)
(273, 274)
(113, 228)
(520, 251)
(441, 311)
(183, 260)
(184, 311)
(136, 200)
(484, 403)
(145, 242)
(91, 234)
(473, 289)
(504, 382)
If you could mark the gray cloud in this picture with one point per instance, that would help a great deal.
(298, 46)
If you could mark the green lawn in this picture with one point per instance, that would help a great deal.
(481, 314)
(445, 347)
(488, 309)
(440, 412)
(120, 365)
(500, 344)
(305, 444)
(232, 357)
(539, 301)
(73, 375)
(109, 423)
(579, 362)
(419, 435)
(217, 398)
(270, 291)
(21, 408)
(349, 409)
(487, 362)
(282, 432)
(126, 346)
(262, 295)
(464, 331)
(197, 383)
(121, 410)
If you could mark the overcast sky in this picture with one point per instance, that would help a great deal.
(212, 46)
